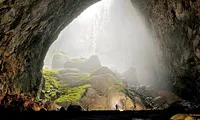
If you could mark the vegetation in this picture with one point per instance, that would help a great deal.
(72, 94)
(84, 76)
(51, 84)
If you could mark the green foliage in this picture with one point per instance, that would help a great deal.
(51, 72)
(70, 74)
(84, 76)
(51, 83)
(72, 94)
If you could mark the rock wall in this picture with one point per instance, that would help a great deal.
(27, 29)
(176, 24)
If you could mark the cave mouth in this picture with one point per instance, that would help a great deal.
(107, 49)
(27, 29)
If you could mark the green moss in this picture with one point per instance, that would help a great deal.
(72, 94)
(47, 96)
(84, 76)
(70, 74)
(51, 72)
(51, 83)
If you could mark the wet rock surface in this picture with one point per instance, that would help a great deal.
(151, 98)
(176, 26)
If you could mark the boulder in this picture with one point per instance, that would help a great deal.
(68, 70)
(170, 97)
(84, 65)
(54, 107)
(58, 60)
(159, 100)
(102, 70)
(151, 92)
(101, 83)
(183, 105)
(91, 93)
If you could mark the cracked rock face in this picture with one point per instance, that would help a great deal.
(177, 27)
(28, 28)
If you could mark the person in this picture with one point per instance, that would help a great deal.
(116, 106)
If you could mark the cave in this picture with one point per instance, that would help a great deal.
(29, 28)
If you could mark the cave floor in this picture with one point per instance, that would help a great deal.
(98, 115)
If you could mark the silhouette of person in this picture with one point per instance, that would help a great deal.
(116, 106)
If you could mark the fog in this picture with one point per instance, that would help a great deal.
(116, 32)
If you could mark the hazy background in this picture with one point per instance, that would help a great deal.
(116, 32)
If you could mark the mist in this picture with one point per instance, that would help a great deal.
(116, 32)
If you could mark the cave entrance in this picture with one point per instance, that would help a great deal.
(117, 33)
(107, 44)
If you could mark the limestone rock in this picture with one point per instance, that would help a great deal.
(170, 97)
(160, 100)
(58, 60)
(27, 29)
(102, 83)
(69, 70)
(91, 93)
(101, 71)
(100, 103)
(85, 66)
(120, 99)
(172, 20)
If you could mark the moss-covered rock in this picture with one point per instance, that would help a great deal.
(118, 88)
(102, 83)
(58, 60)
(103, 70)
(52, 86)
(72, 95)
(69, 70)
(82, 88)
(84, 65)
